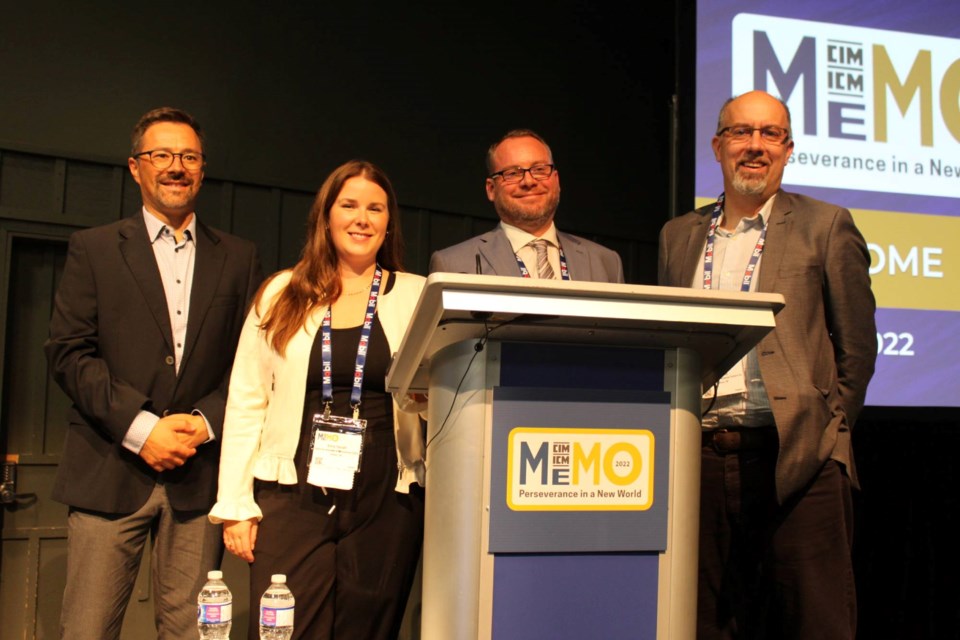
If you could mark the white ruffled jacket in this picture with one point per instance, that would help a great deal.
(261, 428)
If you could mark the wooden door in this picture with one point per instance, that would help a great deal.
(32, 424)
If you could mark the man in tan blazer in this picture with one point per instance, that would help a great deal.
(777, 464)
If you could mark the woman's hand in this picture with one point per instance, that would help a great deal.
(240, 537)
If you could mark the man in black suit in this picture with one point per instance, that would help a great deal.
(524, 186)
(145, 323)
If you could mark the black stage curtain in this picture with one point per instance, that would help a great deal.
(907, 530)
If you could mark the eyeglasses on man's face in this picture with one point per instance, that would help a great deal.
(515, 174)
(162, 159)
(769, 134)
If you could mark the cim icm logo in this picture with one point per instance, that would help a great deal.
(872, 109)
(565, 469)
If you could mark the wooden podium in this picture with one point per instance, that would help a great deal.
(563, 458)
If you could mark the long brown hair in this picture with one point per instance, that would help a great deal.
(315, 281)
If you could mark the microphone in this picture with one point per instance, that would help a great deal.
(480, 315)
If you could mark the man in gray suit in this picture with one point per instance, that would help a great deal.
(523, 184)
(777, 464)
(144, 328)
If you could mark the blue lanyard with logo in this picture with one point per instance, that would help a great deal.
(337, 441)
(564, 272)
(327, 352)
(708, 252)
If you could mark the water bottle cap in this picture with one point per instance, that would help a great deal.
(214, 575)
(278, 577)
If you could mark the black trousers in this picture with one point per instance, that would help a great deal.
(769, 570)
(350, 570)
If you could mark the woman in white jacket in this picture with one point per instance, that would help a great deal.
(294, 495)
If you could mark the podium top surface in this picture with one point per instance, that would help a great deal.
(721, 325)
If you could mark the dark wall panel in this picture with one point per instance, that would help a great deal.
(287, 93)
(28, 183)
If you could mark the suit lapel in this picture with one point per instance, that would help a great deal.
(496, 254)
(207, 269)
(777, 241)
(693, 251)
(138, 255)
(578, 262)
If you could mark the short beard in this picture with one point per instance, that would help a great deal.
(749, 187)
(524, 218)
(183, 201)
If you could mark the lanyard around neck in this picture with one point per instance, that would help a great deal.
(327, 351)
(708, 253)
(564, 272)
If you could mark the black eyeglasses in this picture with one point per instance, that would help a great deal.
(162, 159)
(769, 134)
(538, 171)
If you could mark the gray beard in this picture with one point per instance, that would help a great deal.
(748, 187)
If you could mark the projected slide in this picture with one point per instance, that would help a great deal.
(874, 91)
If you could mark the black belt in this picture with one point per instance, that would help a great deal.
(740, 439)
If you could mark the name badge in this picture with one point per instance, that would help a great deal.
(335, 451)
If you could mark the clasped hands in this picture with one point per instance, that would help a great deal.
(174, 439)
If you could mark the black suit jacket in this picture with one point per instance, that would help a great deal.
(111, 350)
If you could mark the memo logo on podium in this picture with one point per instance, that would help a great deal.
(555, 469)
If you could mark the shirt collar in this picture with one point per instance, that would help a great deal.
(519, 238)
(155, 226)
(761, 218)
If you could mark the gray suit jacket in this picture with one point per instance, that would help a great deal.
(586, 260)
(817, 362)
(111, 349)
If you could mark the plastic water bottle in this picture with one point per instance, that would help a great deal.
(214, 608)
(276, 610)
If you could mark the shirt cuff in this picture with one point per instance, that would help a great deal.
(210, 435)
(139, 431)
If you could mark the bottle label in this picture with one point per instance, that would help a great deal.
(272, 617)
(215, 613)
